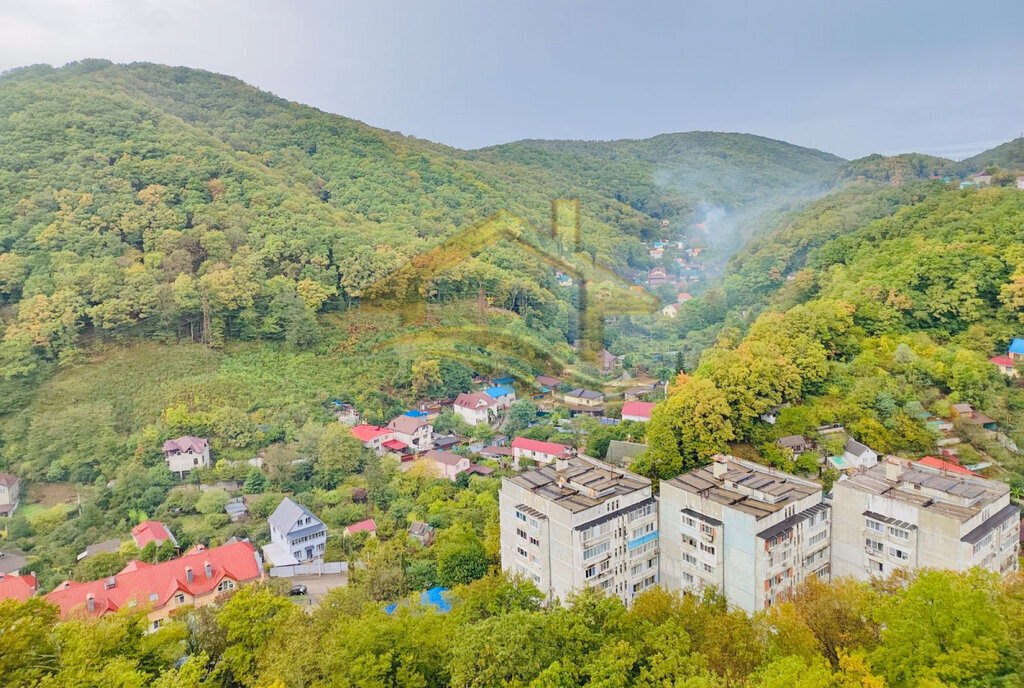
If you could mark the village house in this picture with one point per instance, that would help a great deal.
(683, 297)
(236, 510)
(368, 526)
(798, 444)
(422, 533)
(475, 408)
(113, 545)
(504, 396)
(583, 397)
(608, 362)
(196, 578)
(373, 437)
(981, 178)
(10, 493)
(446, 464)
(1007, 364)
(670, 311)
(637, 411)
(536, 450)
(297, 536)
(657, 276)
(186, 453)
(18, 588)
(152, 531)
(856, 455)
(415, 433)
(967, 414)
(345, 413)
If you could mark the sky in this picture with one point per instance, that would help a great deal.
(852, 77)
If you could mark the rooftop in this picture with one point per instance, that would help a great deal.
(745, 485)
(539, 446)
(954, 495)
(641, 409)
(581, 393)
(366, 433)
(580, 483)
(407, 424)
(447, 458)
(187, 443)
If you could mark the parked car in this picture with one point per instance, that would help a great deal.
(298, 590)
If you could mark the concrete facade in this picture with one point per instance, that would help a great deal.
(903, 515)
(580, 523)
(752, 532)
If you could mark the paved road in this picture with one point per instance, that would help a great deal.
(318, 586)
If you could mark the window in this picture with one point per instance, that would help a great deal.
(636, 569)
(590, 572)
(521, 533)
(522, 552)
(708, 568)
(642, 530)
(817, 537)
(689, 541)
(899, 533)
(521, 516)
(899, 554)
(688, 578)
(156, 623)
(875, 545)
(689, 559)
(591, 552)
(642, 512)
(691, 522)
(605, 565)
(534, 523)
(875, 566)
(535, 542)
(710, 549)
(225, 585)
(179, 599)
(874, 525)
(706, 529)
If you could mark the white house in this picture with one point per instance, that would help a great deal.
(858, 455)
(10, 493)
(541, 452)
(670, 311)
(373, 437)
(416, 433)
(474, 408)
(187, 453)
(296, 535)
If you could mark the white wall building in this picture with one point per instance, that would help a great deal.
(296, 535)
(580, 522)
(903, 515)
(475, 408)
(752, 532)
(415, 433)
(187, 453)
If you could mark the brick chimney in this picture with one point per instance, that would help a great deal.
(188, 574)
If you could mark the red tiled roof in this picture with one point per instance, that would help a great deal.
(187, 444)
(366, 433)
(942, 465)
(396, 445)
(150, 530)
(538, 446)
(158, 583)
(18, 588)
(367, 526)
(637, 408)
(6, 479)
(1002, 361)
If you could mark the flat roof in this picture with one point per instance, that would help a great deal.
(955, 495)
(581, 484)
(747, 486)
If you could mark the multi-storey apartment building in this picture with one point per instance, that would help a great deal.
(752, 532)
(904, 515)
(580, 523)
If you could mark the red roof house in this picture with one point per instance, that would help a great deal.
(637, 410)
(367, 526)
(1005, 364)
(196, 578)
(542, 452)
(373, 437)
(942, 465)
(152, 531)
(18, 588)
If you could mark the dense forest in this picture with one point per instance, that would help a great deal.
(930, 629)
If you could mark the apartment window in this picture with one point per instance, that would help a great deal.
(591, 552)
(521, 516)
(692, 522)
(875, 566)
(534, 559)
(688, 578)
(899, 554)
(642, 512)
(708, 568)
(534, 523)
(522, 552)
(706, 529)
(605, 565)
(521, 533)
(689, 541)
(899, 533)
(817, 537)
(983, 543)
(536, 578)
(642, 530)
(875, 545)
(871, 524)
(636, 569)
(535, 542)
(225, 585)
(590, 572)
(606, 583)
(689, 559)
(710, 549)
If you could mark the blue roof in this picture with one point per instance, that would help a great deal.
(499, 391)
(416, 414)
(1017, 346)
(508, 380)
(434, 597)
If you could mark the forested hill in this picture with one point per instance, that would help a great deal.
(671, 174)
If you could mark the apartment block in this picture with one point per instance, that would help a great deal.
(904, 515)
(750, 531)
(578, 522)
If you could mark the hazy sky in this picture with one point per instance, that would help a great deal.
(848, 76)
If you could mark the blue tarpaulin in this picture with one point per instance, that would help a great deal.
(434, 597)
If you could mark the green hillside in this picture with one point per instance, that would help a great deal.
(1008, 156)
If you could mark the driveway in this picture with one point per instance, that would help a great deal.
(318, 586)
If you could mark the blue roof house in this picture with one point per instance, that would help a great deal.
(1016, 349)
(503, 394)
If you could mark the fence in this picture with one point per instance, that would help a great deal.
(322, 569)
